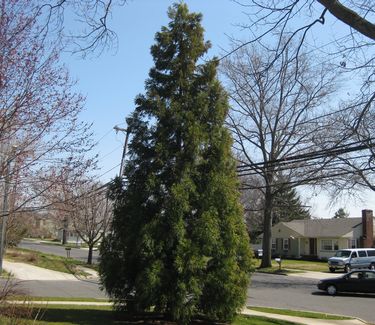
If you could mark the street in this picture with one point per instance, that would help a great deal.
(67, 289)
(291, 292)
(76, 253)
(302, 294)
(265, 290)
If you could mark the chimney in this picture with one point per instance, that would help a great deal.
(367, 237)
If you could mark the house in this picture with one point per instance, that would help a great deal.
(40, 225)
(320, 238)
(71, 236)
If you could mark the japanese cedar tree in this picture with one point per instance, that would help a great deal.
(178, 244)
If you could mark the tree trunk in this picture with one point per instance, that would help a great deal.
(267, 227)
(89, 257)
(64, 231)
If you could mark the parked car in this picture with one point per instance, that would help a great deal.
(258, 253)
(356, 258)
(355, 281)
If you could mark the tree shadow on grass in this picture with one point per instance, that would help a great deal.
(87, 316)
(80, 316)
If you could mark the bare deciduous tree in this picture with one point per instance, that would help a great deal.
(81, 25)
(350, 131)
(273, 119)
(289, 20)
(40, 128)
(91, 214)
(342, 33)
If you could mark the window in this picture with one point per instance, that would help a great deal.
(285, 244)
(371, 253)
(336, 245)
(369, 275)
(326, 245)
(343, 253)
(273, 244)
(352, 243)
(362, 254)
(356, 275)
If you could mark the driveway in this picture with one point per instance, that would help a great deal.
(23, 271)
(315, 275)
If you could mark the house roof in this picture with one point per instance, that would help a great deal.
(323, 227)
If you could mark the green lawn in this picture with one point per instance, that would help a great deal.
(47, 261)
(100, 315)
(288, 266)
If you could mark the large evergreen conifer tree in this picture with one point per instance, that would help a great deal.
(178, 243)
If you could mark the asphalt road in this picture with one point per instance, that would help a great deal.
(76, 253)
(265, 290)
(65, 288)
(302, 294)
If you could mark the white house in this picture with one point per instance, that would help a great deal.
(320, 238)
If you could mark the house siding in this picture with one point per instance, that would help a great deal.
(325, 254)
(303, 233)
(292, 250)
(304, 247)
(280, 233)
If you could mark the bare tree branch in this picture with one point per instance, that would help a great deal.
(350, 17)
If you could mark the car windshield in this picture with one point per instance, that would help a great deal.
(342, 254)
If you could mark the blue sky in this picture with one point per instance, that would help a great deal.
(111, 81)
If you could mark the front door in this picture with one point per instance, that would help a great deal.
(313, 250)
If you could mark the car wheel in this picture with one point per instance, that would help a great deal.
(372, 266)
(332, 269)
(331, 290)
(347, 268)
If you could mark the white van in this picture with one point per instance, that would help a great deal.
(356, 258)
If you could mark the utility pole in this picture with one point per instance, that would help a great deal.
(5, 213)
(127, 132)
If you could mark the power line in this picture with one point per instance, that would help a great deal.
(107, 154)
(304, 181)
(324, 153)
(334, 165)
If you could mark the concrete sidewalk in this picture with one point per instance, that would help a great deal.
(22, 271)
(303, 320)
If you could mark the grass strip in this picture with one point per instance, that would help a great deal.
(298, 313)
(276, 270)
(83, 299)
(47, 261)
(99, 315)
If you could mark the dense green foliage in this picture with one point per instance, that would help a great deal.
(288, 206)
(178, 243)
(341, 213)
